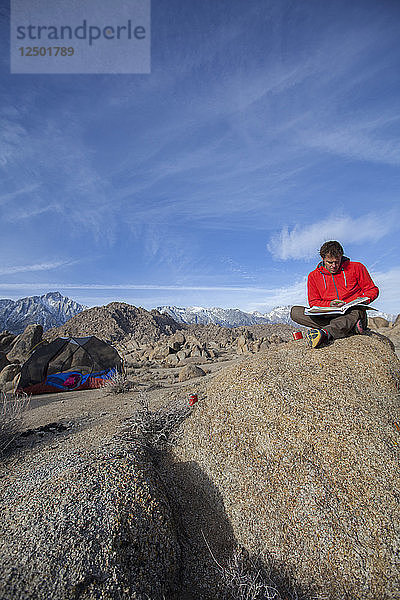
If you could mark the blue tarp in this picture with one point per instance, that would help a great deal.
(73, 379)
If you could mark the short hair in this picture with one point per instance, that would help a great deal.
(332, 248)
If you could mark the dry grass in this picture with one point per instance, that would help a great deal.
(247, 578)
(11, 414)
(154, 429)
(118, 383)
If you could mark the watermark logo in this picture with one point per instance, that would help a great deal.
(95, 36)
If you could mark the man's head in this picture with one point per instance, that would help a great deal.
(331, 254)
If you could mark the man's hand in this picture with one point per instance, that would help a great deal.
(337, 303)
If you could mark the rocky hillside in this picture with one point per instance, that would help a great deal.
(49, 310)
(116, 320)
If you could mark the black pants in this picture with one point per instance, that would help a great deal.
(339, 326)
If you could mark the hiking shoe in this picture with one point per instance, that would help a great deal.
(359, 327)
(314, 337)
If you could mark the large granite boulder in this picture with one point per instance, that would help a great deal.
(3, 360)
(87, 523)
(25, 343)
(6, 339)
(302, 446)
(190, 371)
(378, 322)
(8, 373)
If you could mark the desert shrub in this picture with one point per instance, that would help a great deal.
(11, 410)
(154, 429)
(248, 578)
(118, 383)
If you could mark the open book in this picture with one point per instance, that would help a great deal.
(335, 310)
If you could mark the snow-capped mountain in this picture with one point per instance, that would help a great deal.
(50, 310)
(233, 317)
(279, 314)
(389, 317)
(226, 317)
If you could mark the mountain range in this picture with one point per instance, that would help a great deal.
(233, 317)
(226, 317)
(49, 310)
(54, 310)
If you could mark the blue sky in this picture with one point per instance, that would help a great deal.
(264, 129)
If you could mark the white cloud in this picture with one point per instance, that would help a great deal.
(27, 189)
(360, 140)
(34, 267)
(389, 287)
(304, 242)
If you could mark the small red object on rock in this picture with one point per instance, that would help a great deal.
(297, 335)
(193, 399)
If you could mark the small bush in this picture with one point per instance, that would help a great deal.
(118, 384)
(11, 409)
(247, 578)
(156, 430)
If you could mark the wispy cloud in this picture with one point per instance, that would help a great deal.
(303, 242)
(57, 155)
(12, 138)
(244, 297)
(35, 267)
(30, 212)
(248, 298)
(133, 286)
(361, 139)
(11, 196)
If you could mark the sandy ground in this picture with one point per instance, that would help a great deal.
(100, 407)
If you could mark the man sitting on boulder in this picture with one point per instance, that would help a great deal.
(336, 281)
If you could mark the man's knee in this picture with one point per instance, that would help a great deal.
(296, 312)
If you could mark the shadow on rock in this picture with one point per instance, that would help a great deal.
(213, 564)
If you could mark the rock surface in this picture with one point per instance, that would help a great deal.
(8, 373)
(114, 321)
(201, 344)
(390, 333)
(190, 372)
(6, 340)
(3, 360)
(25, 343)
(290, 453)
(378, 322)
(85, 522)
(302, 447)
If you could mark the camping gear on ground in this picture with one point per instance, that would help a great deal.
(73, 363)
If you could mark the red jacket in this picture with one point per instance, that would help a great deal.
(351, 281)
